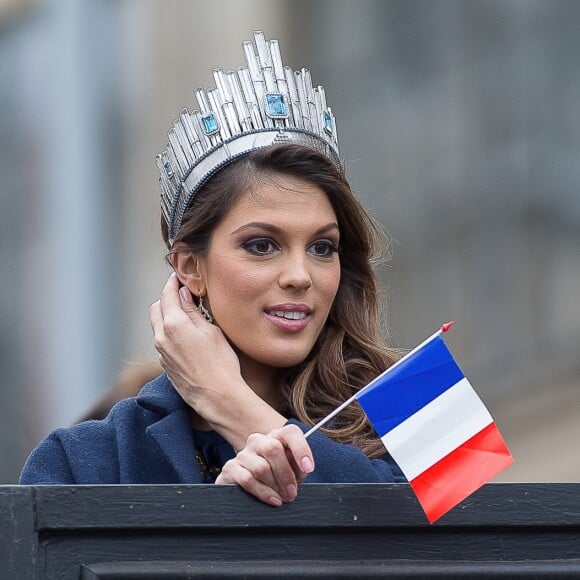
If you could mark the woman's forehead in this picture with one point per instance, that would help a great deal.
(282, 194)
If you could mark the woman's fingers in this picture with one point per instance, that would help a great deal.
(186, 297)
(234, 472)
(175, 301)
(270, 467)
(297, 449)
(169, 295)
(155, 316)
(156, 320)
(174, 317)
(276, 470)
(198, 359)
(263, 461)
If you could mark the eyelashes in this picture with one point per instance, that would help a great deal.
(324, 248)
(260, 247)
(268, 247)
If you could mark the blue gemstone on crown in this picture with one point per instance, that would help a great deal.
(328, 125)
(210, 124)
(276, 106)
(168, 169)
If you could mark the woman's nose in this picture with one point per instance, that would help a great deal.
(295, 272)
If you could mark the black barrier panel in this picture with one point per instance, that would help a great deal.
(330, 531)
(330, 569)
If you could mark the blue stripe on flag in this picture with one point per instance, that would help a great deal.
(409, 387)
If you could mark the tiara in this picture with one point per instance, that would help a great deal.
(257, 106)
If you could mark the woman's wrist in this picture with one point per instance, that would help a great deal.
(235, 417)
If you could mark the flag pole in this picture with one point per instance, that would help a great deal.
(444, 328)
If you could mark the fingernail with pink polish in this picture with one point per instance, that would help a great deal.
(185, 295)
(291, 491)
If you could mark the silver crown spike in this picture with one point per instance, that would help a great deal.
(311, 103)
(214, 99)
(191, 133)
(253, 65)
(196, 121)
(318, 107)
(239, 101)
(265, 62)
(222, 85)
(303, 98)
(184, 143)
(270, 80)
(258, 82)
(322, 94)
(278, 66)
(227, 99)
(250, 96)
(179, 175)
(166, 197)
(165, 171)
(204, 107)
(281, 82)
(251, 108)
(294, 98)
(179, 155)
(334, 131)
(264, 56)
(232, 118)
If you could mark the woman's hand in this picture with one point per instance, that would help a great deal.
(271, 466)
(205, 370)
(198, 359)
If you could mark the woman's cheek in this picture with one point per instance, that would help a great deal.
(233, 298)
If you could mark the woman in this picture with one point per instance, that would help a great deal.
(270, 319)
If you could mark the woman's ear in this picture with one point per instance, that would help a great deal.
(189, 269)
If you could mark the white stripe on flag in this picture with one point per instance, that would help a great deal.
(437, 429)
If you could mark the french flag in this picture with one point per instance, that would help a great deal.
(435, 426)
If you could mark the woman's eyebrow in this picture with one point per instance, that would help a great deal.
(258, 225)
(276, 230)
(327, 228)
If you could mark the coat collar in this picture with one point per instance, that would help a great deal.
(160, 396)
(172, 432)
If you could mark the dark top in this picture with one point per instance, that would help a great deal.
(149, 439)
(211, 452)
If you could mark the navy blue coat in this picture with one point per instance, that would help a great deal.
(149, 439)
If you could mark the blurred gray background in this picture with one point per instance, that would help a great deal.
(460, 125)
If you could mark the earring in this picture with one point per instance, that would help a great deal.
(204, 311)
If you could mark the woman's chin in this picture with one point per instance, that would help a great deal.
(283, 359)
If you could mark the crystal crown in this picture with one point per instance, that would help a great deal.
(254, 107)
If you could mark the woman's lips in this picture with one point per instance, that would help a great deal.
(291, 317)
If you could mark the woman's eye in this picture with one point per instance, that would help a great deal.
(323, 248)
(260, 247)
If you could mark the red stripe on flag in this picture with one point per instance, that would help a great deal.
(459, 474)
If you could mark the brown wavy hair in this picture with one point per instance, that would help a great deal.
(350, 351)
